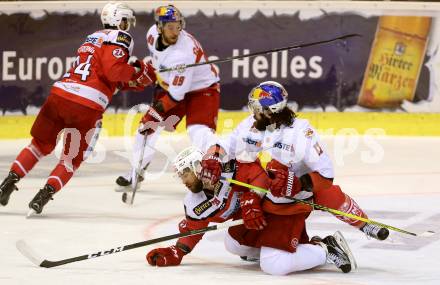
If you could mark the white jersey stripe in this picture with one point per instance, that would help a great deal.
(84, 91)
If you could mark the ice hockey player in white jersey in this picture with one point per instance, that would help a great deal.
(278, 242)
(299, 161)
(192, 92)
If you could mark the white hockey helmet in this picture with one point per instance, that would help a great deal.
(188, 159)
(268, 95)
(114, 13)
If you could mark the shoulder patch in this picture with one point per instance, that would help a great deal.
(308, 133)
(124, 39)
(118, 53)
(150, 40)
(94, 40)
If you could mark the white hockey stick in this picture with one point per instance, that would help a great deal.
(128, 197)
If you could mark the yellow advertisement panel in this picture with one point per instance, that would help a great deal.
(395, 61)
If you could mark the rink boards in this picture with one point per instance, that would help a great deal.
(329, 123)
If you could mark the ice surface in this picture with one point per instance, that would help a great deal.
(87, 216)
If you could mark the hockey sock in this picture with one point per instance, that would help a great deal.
(60, 176)
(26, 160)
(333, 197)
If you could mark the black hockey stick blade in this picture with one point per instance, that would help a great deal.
(30, 254)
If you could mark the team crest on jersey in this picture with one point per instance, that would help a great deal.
(294, 242)
(202, 207)
(308, 133)
(124, 39)
(118, 53)
(216, 201)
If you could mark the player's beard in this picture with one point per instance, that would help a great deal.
(261, 122)
(196, 187)
(275, 121)
(169, 40)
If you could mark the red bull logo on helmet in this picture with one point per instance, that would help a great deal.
(167, 14)
(259, 94)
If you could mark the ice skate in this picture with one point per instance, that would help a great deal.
(123, 182)
(40, 200)
(7, 187)
(375, 231)
(338, 251)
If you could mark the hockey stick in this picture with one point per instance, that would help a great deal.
(333, 211)
(230, 58)
(135, 176)
(30, 254)
(127, 197)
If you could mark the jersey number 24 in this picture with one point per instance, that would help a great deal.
(81, 68)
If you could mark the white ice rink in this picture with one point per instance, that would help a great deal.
(400, 189)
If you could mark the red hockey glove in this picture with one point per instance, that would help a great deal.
(211, 168)
(150, 121)
(252, 213)
(167, 256)
(155, 116)
(284, 183)
(146, 75)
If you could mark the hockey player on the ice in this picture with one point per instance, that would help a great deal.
(279, 242)
(77, 101)
(299, 161)
(193, 92)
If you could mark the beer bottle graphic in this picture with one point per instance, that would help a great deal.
(395, 61)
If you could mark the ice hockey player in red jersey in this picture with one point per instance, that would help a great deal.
(77, 101)
(279, 242)
(193, 92)
(298, 157)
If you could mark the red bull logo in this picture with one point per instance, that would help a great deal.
(161, 11)
(167, 13)
(260, 94)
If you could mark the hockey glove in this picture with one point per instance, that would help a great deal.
(211, 168)
(146, 75)
(252, 213)
(167, 256)
(283, 183)
(150, 121)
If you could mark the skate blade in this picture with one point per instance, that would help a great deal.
(127, 198)
(341, 240)
(31, 214)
